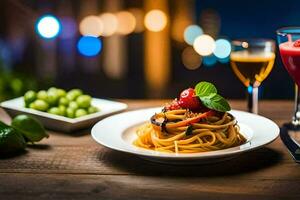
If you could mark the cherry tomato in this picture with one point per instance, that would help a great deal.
(188, 99)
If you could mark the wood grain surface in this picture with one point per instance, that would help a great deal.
(73, 166)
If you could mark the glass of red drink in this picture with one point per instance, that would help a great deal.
(289, 48)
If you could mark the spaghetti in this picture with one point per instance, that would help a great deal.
(183, 131)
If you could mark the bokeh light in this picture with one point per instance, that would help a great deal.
(223, 48)
(209, 61)
(204, 45)
(69, 27)
(89, 45)
(139, 19)
(110, 24)
(48, 26)
(91, 26)
(126, 22)
(155, 20)
(190, 59)
(191, 33)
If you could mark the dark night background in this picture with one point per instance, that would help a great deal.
(23, 55)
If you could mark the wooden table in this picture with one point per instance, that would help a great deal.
(73, 166)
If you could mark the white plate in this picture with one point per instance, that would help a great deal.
(55, 122)
(118, 132)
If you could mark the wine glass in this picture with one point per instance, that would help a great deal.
(289, 48)
(252, 61)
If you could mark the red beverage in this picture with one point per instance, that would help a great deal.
(290, 56)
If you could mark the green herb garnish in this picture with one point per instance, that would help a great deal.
(189, 130)
(210, 98)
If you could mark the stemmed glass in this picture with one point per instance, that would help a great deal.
(252, 61)
(289, 48)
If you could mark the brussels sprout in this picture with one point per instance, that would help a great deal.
(73, 94)
(42, 95)
(80, 112)
(70, 112)
(29, 97)
(40, 105)
(63, 101)
(92, 109)
(55, 111)
(73, 105)
(84, 101)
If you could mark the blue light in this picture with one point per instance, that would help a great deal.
(209, 61)
(250, 89)
(224, 60)
(223, 48)
(48, 26)
(191, 33)
(89, 46)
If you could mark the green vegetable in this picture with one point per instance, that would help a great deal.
(29, 127)
(207, 93)
(61, 93)
(84, 101)
(52, 98)
(63, 101)
(29, 97)
(10, 139)
(70, 112)
(42, 95)
(92, 109)
(80, 112)
(73, 105)
(189, 131)
(73, 94)
(55, 111)
(62, 109)
(40, 105)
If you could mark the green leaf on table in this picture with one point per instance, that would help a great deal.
(29, 127)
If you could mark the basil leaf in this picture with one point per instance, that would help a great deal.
(189, 131)
(204, 89)
(215, 102)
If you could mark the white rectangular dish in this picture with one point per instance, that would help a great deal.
(60, 123)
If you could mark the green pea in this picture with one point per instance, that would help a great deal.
(29, 97)
(40, 105)
(80, 112)
(55, 111)
(92, 109)
(84, 101)
(63, 101)
(70, 112)
(73, 105)
(42, 95)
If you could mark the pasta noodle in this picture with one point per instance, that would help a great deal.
(182, 131)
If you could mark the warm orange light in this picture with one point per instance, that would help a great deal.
(155, 20)
(91, 26)
(190, 59)
(139, 19)
(110, 24)
(126, 22)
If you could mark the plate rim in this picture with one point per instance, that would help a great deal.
(182, 156)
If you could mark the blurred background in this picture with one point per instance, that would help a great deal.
(135, 48)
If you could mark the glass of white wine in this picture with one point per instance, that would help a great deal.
(252, 61)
